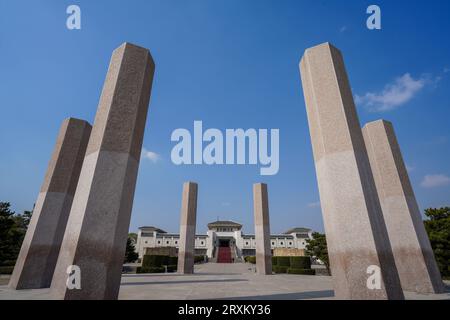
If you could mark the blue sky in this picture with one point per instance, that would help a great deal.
(231, 64)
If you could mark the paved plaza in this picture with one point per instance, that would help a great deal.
(217, 281)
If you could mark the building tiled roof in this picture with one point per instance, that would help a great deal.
(297, 230)
(177, 235)
(224, 223)
(151, 229)
(272, 236)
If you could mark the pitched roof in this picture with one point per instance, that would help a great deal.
(297, 230)
(224, 223)
(151, 228)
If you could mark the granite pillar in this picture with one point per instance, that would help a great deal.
(262, 229)
(356, 232)
(412, 250)
(186, 249)
(39, 253)
(96, 235)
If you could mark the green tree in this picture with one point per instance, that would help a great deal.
(317, 247)
(133, 236)
(12, 231)
(438, 229)
(6, 223)
(130, 253)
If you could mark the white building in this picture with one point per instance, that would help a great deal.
(221, 234)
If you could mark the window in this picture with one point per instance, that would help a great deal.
(290, 243)
(273, 243)
(159, 241)
(146, 241)
(246, 243)
(167, 242)
(281, 243)
(202, 243)
(176, 242)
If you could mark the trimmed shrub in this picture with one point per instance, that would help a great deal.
(172, 268)
(6, 269)
(274, 261)
(199, 259)
(154, 261)
(310, 272)
(172, 261)
(284, 261)
(251, 259)
(279, 269)
(300, 262)
(156, 270)
(151, 270)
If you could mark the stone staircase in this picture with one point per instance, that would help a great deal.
(224, 255)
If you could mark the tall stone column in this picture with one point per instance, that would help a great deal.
(97, 229)
(262, 229)
(39, 253)
(357, 238)
(412, 250)
(186, 249)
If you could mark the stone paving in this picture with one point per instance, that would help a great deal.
(217, 281)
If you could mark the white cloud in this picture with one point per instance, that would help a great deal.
(314, 204)
(435, 180)
(409, 168)
(394, 94)
(343, 29)
(150, 155)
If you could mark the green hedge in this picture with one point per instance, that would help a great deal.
(284, 261)
(199, 259)
(172, 261)
(292, 265)
(279, 269)
(300, 262)
(274, 261)
(162, 260)
(310, 272)
(8, 263)
(251, 259)
(150, 270)
(154, 261)
(172, 268)
(6, 269)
